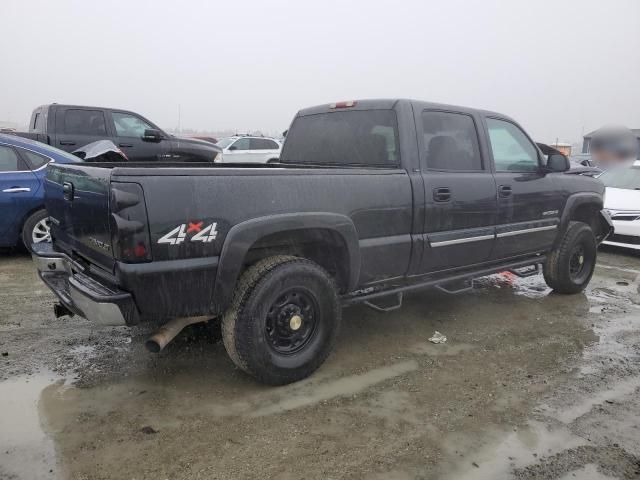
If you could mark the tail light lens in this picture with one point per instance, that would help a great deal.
(129, 228)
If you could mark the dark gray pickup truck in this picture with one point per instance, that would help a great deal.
(370, 199)
(70, 127)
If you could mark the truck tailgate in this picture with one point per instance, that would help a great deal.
(77, 199)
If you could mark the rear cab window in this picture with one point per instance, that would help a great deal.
(354, 138)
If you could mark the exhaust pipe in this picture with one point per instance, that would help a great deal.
(59, 310)
(168, 332)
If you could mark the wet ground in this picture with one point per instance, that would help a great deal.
(530, 385)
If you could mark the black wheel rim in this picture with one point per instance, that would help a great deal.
(579, 264)
(291, 321)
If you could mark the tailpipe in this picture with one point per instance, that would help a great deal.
(59, 310)
(168, 332)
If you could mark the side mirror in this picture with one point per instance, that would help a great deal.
(232, 147)
(152, 135)
(558, 163)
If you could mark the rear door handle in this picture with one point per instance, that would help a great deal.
(442, 194)
(16, 190)
(505, 191)
(125, 145)
(67, 142)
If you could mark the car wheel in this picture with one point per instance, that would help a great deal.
(569, 267)
(36, 229)
(283, 320)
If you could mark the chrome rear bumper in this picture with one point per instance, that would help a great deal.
(81, 293)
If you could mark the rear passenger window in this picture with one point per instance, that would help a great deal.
(36, 160)
(451, 141)
(85, 122)
(263, 144)
(512, 150)
(9, 160)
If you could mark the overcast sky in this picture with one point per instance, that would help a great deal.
(558, 67)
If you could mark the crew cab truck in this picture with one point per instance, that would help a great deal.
(370, 199)
(69, 127)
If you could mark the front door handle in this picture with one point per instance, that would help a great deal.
(16, 190)
(125, 145)
(67, 142)
(442, 194)
(505, 190)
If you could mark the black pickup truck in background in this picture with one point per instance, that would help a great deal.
(69, 127)
(370, 199)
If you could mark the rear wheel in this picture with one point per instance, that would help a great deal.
(36, 229)
(570, 266)
(283, 321)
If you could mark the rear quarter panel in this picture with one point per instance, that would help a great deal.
(378, 202)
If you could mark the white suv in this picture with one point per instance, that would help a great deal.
(248, 149)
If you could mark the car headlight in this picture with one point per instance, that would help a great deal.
(218, 158)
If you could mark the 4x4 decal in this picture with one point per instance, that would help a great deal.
(179, 234)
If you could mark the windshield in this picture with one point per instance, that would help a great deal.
(627, 178)
(225, 142)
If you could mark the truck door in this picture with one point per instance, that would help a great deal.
(77, 127)
(529, 201)
(18, 185)
(460, 191)
(129, 132)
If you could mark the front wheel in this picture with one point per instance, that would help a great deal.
(569, 267)
(283, 320)
(36, 229)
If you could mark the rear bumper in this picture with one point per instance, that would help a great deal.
(82, 294)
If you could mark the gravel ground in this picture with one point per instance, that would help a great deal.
(530, 385)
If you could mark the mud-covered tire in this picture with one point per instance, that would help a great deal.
(33, 230)
(569, 267)
(259, 331)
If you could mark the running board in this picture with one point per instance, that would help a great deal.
(468, 286)
(368, 294)
(526, 271)
(382, 309)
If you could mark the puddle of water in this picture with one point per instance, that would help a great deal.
(616, 342)
(440, 350)
(346, 386)
(502, 456)
(620, 389)
(26, 452)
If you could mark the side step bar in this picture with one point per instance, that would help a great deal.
(441, 283)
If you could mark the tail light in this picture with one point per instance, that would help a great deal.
(129, 228)
(349, 104)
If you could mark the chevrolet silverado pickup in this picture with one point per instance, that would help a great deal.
(69, 127)
(370, 199)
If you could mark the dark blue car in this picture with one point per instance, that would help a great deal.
(23, 165)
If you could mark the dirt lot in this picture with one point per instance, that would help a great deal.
(529, 385)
